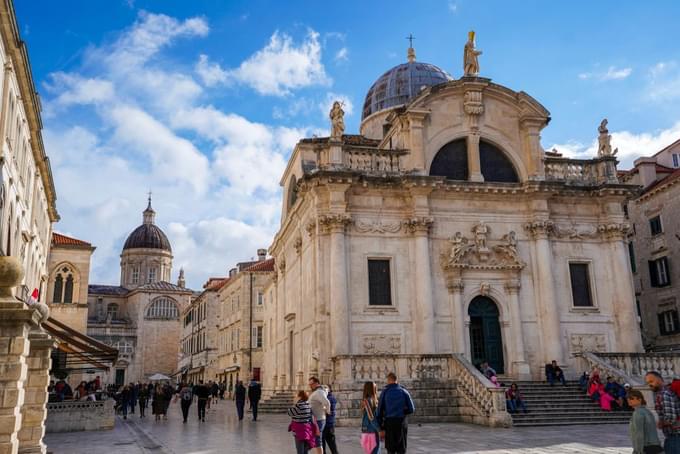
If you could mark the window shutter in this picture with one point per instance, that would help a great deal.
(676, 322)
(653, 276)
(662, 324)
(668, 270)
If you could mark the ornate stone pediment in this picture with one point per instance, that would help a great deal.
(478, 252)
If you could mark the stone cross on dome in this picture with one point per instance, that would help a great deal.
(411, 53)
(149, 215)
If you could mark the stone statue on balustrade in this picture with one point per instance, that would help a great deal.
(337, 116)
(604, 146)
(471, 57)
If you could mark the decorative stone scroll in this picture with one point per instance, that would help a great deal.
(577, 232)
(381, 344)
(464, 253)
(333, 222)
(473, 102)
(587, 343)
(297, 244)
(377, 226)
(539, 228)
(418, 224)
(574, 232)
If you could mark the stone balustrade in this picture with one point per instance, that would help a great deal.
(635, 365)
(373, 161)
(73, 416)
(586, 172)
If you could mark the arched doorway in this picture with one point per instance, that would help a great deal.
(486, 343)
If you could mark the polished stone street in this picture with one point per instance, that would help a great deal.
(222, 433)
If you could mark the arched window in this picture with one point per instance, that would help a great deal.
(68, 289)
(451, 161)
(112, 311)
(163, 308)
(58, 288)
(64, 284)
(495, 164)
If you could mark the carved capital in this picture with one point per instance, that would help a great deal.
(614, 231)
(334, 223)
(282, 266)
(310, 228)
(298, 245)
(540, 228)
(418, 225)
(455, 285)
(512, 287)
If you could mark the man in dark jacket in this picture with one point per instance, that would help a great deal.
(394, 406)
(240, 398)
(203, 394)
(329, 429)
(254, 394)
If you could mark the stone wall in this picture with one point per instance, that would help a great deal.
(80, 415)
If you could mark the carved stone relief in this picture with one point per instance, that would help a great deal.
(381, 344)
(478, 253)
(588, 343)
(377, 226)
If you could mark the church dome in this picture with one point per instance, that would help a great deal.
(148, 235)
(401, 84)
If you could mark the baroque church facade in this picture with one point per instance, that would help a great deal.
(140, 317)
(445, 228)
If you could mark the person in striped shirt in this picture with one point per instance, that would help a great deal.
(302, 424)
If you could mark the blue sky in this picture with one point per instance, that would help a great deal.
(202, 101)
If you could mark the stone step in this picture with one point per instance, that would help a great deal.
(564, 423)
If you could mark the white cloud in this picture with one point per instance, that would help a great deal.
(453, 6)
(631, 145)
(341, 55)
(664, 82)
(73, 89)
(278, 68)
(612, 73)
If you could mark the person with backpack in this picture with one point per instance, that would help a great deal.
(667, 405)
(186, 397)
(394, 406)
(370, 429)
(240, 398)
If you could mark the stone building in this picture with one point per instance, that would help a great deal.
(27, 194)
(241, 330)
(655, 245)
(141, 316)
(445, 228)
(200, 335)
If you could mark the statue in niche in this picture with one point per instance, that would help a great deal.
(471, 60)
(480, 231)
(337, 116)
(604, 146)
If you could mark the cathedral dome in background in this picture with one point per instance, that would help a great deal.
(401, 84)
(148, 235)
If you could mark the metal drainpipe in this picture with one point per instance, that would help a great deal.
(250, 337)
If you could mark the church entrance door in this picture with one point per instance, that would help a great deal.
(486, 343)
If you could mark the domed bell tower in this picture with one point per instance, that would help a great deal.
(147, 254)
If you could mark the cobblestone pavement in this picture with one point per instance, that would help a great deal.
(223, 433)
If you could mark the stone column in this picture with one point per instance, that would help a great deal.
(474, 165)
(425, 325)
(457, 315)
(339, 300)
(473, 104)
(519, 363)
(547, 303)
(627, 327)
(16, 320)
(34, 411)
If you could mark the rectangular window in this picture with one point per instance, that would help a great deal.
(257, 337)
(631, 255)
(659, 275)
(152, 275)
(580, 285)
(655, 225)
(135, 274)
(676, 160)
(379, 285)
(260, 298)
(668, 322)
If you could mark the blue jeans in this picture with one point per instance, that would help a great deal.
(319, 438)
(514, 405)
(239, 408)
(552, 378)
(671, 444)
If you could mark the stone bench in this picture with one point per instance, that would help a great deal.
(75, 416)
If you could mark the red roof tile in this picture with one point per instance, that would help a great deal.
(62, 240)
(215, 283)
(263, 265)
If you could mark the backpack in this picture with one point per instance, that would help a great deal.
(186, 395)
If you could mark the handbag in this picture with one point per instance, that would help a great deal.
(652, 449)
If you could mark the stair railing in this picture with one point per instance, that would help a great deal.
(482, 395)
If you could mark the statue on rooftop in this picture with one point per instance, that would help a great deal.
(337, 116)
(604, 146)
(471, 61)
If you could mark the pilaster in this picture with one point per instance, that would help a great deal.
(519, 363)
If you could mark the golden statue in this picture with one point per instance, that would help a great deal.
(471, 62)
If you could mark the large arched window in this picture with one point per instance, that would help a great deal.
(163, 308)
(64, 285)
(451, 161)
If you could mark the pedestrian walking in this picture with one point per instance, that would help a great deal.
(125, 400)
(169, 392)
(667, 406)
(240, 398)
(301, 424)
(328, 436)
(642, 426)
(203, 394)
(134, 395)
(394, 406)
(370, 429)
(158, 403)
(320, 406)
(254, 395)
(214, 390)
(186, 397)
(143, 398)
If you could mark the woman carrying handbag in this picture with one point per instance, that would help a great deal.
(370, 430)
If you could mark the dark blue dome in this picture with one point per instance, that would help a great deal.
(147, 236)
(401, 84)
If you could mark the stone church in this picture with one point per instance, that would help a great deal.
(140, 317)
(444, 228)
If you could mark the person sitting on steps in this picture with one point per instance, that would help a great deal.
(554, 372)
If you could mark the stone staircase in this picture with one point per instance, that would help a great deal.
(562, 405)
(278, 403)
